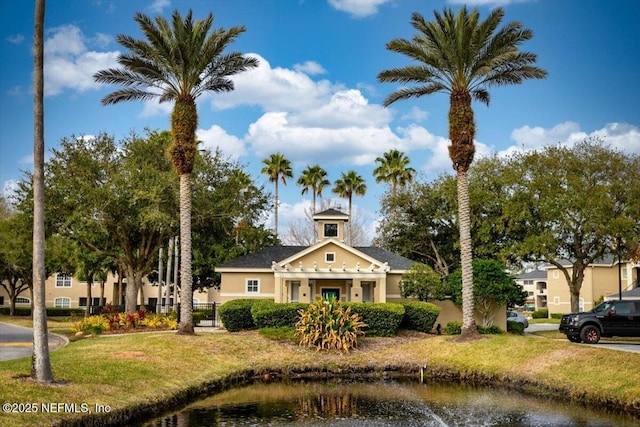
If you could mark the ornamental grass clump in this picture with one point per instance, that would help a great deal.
(327, 325)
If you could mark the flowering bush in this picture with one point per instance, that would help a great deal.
(124, 322)
(91, 325)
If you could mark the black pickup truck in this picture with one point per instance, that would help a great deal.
(611, 318)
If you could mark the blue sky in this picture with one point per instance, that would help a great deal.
(315, 96)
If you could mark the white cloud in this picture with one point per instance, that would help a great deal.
(318, 144)
(15, 39)
(216, 137)
(274, 89)
(159, 5)
(310, 67)
(68, 62)
(9, 188)
(26, 160)
(358, 8)
(622, 136)
(416, 114)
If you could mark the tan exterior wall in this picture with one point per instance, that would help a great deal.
(341, 256)
(393, 287)
(449, 312)
(235, 286)
(73, 290)
(341, 228)
(599, 281)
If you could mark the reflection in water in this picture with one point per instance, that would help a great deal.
(389, 403)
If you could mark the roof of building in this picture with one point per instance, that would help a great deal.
(607, 260)
(265, 256)
(331, 212)
(632, 294)
(535, 274)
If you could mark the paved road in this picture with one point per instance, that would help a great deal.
(17, 341)
(633, 347)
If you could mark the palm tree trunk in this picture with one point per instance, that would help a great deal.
(40, 362)
(468, 323)
(276, 209)
(349, 223)
(186, 291)
(313, 213)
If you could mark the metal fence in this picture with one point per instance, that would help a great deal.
(204, 314)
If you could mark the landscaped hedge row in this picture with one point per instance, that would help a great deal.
(420, 316)
(540, 314)
(236, 314)
(382, 319)
(268, 314)
(51, 311)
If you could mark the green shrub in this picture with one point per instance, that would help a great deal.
(236, 314)
(382, 319)
(420, 316)
(329, 325)
(515, 327)
(269, 314)
(556, 315)
(160, 321)
(490, 330)
(453, 328)
(540, 314)
(51, 311)
(20, 311)
(91, 325)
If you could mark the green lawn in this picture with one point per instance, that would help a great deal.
(144, 372)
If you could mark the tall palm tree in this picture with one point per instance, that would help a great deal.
(314, 178)
(350, 183)
(40, 361)
(177, 63)
(277, 167)
(462, 56)
(392, 168)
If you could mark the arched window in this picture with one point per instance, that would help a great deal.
(62, 302)
(23, 300)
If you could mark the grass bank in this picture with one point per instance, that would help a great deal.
(141, 374)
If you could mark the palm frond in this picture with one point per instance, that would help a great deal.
(128, 94)
(414, 92)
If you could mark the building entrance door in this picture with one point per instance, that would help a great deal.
(330, 293)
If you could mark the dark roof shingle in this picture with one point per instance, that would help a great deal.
(265, 256)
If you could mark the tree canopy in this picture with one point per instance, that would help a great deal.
(493, 287)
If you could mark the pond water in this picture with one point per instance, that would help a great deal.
(388, 403)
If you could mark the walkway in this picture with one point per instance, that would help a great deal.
(17, 341)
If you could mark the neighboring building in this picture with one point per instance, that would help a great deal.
(535, 284)
(602, 279)
(329, 268)
(65, 291)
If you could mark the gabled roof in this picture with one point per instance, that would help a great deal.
(632, 294)
(535, 274)
(266, 256)
(607, 260)
(331, 214)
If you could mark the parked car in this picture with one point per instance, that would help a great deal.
(611, 318)
(512, 316)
